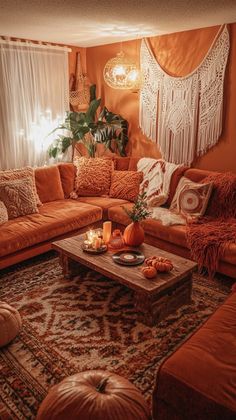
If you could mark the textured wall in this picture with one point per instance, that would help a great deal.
(178, 54)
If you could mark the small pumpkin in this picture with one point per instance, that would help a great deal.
(150, 260)
(149, 272)
(162, 264)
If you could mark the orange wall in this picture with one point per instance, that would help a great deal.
(179, 54)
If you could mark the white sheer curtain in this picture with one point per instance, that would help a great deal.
(34, 95)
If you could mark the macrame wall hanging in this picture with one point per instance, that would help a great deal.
(183, 115)
(79, 87)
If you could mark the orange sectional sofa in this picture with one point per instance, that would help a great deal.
(198, 381)
(59, 216)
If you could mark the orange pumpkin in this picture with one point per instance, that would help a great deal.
(133, 234)
(149, 272)
(94, 394)
(150, 260)
(162, 264)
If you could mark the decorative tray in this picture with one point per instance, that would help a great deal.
(100, 250)
(128, 257)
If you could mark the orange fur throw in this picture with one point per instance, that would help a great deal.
(223, 198)
(209, 236)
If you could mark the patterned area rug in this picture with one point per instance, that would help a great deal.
(86, 323)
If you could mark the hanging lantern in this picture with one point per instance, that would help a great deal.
(121, 72)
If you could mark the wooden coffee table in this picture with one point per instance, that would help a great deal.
(154, 299)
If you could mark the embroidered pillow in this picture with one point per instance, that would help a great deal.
(125, 184)
(18, 197)
(93, 176)
(3, 213)
(12, 174)
(191, 198)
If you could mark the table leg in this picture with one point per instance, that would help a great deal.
(70, 268)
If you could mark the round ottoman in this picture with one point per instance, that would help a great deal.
(94, 394)
(10, 323)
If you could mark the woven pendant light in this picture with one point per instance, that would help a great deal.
(121, 72)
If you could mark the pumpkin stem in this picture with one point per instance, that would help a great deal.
(102, 385)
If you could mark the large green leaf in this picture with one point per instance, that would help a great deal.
(91, 112)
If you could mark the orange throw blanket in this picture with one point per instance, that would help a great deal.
(209, 236)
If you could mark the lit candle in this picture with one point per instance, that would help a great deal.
(106, 231)
(97, 243)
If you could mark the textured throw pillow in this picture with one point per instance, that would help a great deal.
(12, 174)
(125, 184)
(191, 198)
(93, 176)
(18, 197)
(3, 213)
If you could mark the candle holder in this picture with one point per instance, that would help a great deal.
(93, 242)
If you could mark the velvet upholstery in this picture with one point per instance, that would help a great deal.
(133, 163)
(48, 183)
(54, 219)
(198, 381)
(104, 202)
(121, 163)
(197, 175)
(67, 174)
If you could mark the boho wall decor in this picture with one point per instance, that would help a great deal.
(183, 115)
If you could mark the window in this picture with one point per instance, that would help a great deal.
(34, 98)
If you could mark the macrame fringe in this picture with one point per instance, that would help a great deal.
(188, 109)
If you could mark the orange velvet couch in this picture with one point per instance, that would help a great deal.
(59, 216)
(198, 381)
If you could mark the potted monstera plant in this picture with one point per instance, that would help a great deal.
(84, 127)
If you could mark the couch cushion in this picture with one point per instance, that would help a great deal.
(199, 379)
(54, 218)
(121, 163)
(191, 198)
(93, 176)
(19, 197)
(48, 183)
(174, 234)
(197, 175)
(12, 174)
(104, 202)
(3, 213)
(125, 184)
(67, 173)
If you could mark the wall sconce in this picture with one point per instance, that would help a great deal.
(121, 72)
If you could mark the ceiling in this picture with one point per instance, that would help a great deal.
(97, 22)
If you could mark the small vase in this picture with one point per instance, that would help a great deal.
(134, 234)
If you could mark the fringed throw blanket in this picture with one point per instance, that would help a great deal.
(156, 179)
(209, 236)
(183, 115)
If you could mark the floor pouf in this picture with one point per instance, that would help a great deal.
(94, 394)
(10, 323)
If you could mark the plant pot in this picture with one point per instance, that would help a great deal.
(134, 234)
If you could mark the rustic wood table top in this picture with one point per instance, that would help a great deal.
(127, 275)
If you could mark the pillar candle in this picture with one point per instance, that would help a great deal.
(106, 231)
